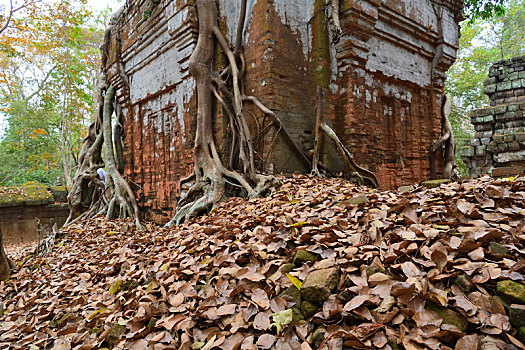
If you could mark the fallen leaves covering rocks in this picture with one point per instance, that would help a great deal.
(321, 263)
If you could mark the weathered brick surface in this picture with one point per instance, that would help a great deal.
(506, 82)
(383, 82)
(21, 223)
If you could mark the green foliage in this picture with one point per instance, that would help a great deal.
(482, 42)
(484, 9)
(49, 59)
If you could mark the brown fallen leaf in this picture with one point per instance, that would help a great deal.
(468, 342)
(260, 297)
(261, 321)
(226, 310)
(265, 341)
(355, 302)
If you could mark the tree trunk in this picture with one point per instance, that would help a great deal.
(5, 264)
(447, 142)
(318, 136)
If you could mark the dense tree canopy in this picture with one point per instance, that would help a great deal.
(484, 8)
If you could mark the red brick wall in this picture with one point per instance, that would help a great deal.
(158, 101)
(382, 83)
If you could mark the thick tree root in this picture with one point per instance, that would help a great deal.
(122, 202)
(210, 177)
(352, 170)
(318, 134)
(446, 142)
(5, 264)
(89, 195)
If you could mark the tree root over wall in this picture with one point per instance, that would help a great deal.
(210, 178)
(446, 143)
(211, 181)
(90, 196)
(351, 169)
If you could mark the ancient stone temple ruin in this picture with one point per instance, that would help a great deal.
(498, 146)
(383, 84)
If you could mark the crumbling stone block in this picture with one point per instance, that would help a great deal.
(501, 129)
(319, 285)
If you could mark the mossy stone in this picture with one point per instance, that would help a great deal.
(114, 334)
(511, 291)
(296, 316)
(393, 344)
(517, 315)
(497, 250)
(319, 285)
(318, 336)
(152, 322)
(130, 285)
(449, 316)
(293, 292)
(24, 195)
(308, 309)
(406, 188)
(345, 296)
(373, 270)
(58, 322)
(357, 200)
(287, 268)
(464, 282)
(303, 256)
(435, 183)
(521, 334)
(59, 193)
(502, 301)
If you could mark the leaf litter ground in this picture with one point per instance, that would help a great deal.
(319, 263)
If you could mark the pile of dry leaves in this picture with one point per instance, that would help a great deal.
(319, 264)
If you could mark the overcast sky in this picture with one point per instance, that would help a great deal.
(99, 5)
